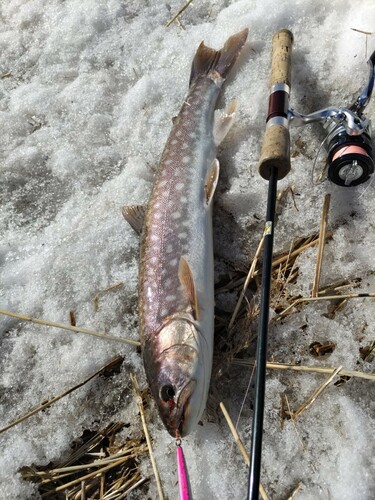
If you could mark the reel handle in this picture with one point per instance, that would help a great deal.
(276, 144)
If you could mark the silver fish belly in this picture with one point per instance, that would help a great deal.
(176, 282)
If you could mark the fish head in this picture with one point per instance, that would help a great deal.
(177, 378)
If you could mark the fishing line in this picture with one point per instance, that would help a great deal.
(366, 188)
(246, 394)
(243, 404)
(250, 379)
(320, 178)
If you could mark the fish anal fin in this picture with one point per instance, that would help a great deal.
(224, 121)
(211, 180)
(187, 281)
(134, 215)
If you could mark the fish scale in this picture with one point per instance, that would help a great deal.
(177, 213)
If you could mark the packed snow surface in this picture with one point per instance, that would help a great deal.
(87, 93)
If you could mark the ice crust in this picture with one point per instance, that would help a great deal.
(87, 93)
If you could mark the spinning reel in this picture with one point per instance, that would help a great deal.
(348, 141)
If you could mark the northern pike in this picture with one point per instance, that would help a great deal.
(176, 277)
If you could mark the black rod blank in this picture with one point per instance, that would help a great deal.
(261, 359)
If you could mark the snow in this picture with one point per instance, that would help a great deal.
(87, 93)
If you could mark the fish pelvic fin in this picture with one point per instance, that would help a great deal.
(187, 281)
(211, 180)
(208, 60)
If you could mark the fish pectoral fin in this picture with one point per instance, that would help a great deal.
(134, 215)
(211, 180)
(224, 121)
(187, 281)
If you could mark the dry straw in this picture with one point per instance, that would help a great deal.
(71, 328)
(240, 445)
(147, 435)
(109, 478)
(48, 402)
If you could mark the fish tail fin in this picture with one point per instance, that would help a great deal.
(207, 60)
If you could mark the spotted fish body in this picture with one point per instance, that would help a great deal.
(176, 285)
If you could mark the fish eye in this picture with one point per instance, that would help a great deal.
(167, 393)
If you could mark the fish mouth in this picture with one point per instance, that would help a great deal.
(183, 404)
(175, 412)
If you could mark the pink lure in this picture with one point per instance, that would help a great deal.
(183, 479)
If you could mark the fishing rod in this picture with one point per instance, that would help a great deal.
(349, 163)
(274, 165)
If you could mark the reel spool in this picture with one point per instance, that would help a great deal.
(350, 158)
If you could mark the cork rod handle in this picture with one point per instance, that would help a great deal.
(281, 67)
(276, 144)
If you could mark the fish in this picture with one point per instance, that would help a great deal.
(176, 271)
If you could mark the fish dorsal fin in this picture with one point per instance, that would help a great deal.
(187, 281)
(224, 121)
(134, 215)
(211, 180)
